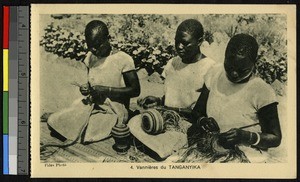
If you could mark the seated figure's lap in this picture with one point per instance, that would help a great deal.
(164, 144)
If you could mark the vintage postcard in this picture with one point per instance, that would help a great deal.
(163, 91)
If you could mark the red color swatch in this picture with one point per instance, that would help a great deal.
(5, 26)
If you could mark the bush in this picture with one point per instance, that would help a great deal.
(149, 39)
(64, 43)
(72, 45)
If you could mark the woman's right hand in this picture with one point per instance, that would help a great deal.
(85, 89)
(149, 102)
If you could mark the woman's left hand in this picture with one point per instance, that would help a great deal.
(208, 124)
(233, 137)
(84, 89)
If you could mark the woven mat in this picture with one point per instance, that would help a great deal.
(99, 152)
(96, 152)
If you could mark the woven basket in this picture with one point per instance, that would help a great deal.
(121, 135)
(153, 122)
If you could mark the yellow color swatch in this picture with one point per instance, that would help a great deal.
(5, 69)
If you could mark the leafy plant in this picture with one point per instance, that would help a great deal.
(149, 39)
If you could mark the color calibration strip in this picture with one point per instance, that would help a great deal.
(5, 90)
(13, 90)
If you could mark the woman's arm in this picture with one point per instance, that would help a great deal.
(270, 126)
(200, 123)
(269, 137)
(193, 114)
(200, 108)
(132, 88)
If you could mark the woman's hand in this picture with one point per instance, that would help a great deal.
(97, 91)
(208, 124)
(98, 94)
(149, 101)
(85, 89)
(233, 137)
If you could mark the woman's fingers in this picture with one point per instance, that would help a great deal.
(209, 124)
(230, 137)
(144, 102)
(84, 91)
(93, 93)
(84, 87)
(150, 105)
(215, 124)
(148, 102)
(141, 102)
(230, 134)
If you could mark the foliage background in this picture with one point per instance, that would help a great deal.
(149, 38)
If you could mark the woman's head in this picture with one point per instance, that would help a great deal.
(97, 38)
(240, 57)
(189, 36)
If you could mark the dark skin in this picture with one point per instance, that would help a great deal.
(238, 71)
(101, 48)
(238, 68)
(187, 47)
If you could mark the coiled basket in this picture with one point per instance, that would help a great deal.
(121, 135)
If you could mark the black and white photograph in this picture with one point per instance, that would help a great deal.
(172, 90)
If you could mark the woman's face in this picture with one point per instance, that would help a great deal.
(99, 47)
(186, 45)
(238, 68)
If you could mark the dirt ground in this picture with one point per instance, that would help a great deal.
(57, 91)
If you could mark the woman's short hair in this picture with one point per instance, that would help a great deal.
(243, 45)
(194, 27)
(96, 30)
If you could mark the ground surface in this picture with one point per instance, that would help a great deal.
(57, 92)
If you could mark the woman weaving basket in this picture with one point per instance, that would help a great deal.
(111, 82)
(183, 75)
(236, 109)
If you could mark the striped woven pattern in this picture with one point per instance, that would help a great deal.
(152, 122)
(120, 131)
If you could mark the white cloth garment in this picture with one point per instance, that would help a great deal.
(236, 105)
(98, 123)
(108, 71)
(183, 80)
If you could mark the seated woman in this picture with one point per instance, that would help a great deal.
(111, 82)
(183, 74)
(241, 107)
